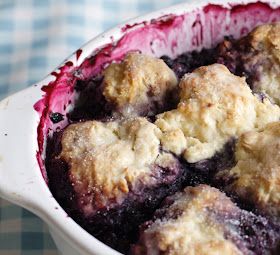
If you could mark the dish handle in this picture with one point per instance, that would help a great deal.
(21, 181)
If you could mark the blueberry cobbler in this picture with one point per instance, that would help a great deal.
(177, 156)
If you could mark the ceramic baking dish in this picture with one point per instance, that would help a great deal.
(24, 117)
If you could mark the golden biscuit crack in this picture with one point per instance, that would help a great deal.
(214, 106)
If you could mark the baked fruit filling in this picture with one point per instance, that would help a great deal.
(148, 137)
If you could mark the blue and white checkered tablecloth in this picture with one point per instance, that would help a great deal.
(36, 36)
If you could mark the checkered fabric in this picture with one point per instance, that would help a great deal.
(36, 36)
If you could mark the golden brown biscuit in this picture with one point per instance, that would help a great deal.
(138, 84)
(265, 40)
(108, 160)
(215, 105)
(256, 56)
(256, 176)
(187, 227)
(202, 220)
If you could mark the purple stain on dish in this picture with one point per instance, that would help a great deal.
(78, 53)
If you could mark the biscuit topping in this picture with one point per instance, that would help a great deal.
(256, 56)
(215, 105)
(257, 172)
(111, 156)
(188, 226)
(265, 43)
(107, 160)
(139, 83)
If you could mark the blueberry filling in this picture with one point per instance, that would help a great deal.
(187, 62)
(91, 104)
(252, 234)
(56, 117)
(222, 160)
(237, 56)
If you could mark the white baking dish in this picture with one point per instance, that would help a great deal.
(186, 27)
